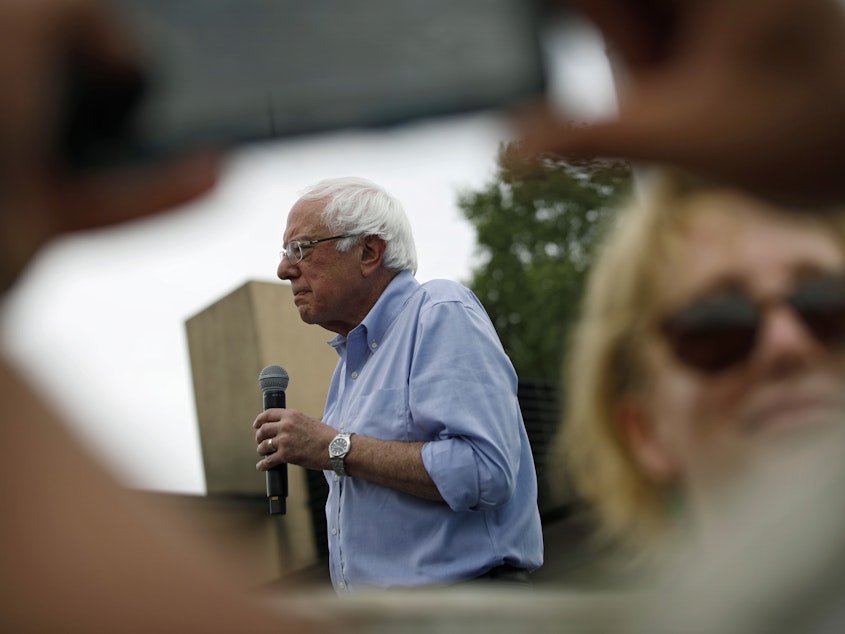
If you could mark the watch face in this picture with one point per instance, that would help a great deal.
(339, 446)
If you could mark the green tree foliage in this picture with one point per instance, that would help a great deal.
(537, 224)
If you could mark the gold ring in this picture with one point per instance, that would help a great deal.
(270, 445)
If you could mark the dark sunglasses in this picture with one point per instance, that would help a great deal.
(716, 334)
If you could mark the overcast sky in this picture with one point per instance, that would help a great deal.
(98, 320)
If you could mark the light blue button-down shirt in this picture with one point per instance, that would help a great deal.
(426, 365)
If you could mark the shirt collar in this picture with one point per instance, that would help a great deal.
(385, 310)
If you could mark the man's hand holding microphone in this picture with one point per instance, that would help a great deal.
(286, 436)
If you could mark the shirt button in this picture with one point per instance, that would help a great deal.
(373, 345)
(342, 585)
(354, 375)
(334, 531)
(336, 477)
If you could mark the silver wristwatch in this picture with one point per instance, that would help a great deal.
(338, 449)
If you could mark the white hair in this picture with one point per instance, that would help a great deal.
(357, 205)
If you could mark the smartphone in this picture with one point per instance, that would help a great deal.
(219, 72)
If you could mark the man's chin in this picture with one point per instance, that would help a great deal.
(305, 315)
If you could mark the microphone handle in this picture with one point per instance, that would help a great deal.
(277, 477)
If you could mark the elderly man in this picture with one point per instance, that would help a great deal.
(431, 478)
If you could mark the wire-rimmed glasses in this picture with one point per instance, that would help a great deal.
(293, 250)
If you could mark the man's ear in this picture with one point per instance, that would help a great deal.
(372, 254)
(647, 448)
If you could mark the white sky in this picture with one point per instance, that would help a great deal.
(99, 318)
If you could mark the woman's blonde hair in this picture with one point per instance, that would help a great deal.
(606, 358)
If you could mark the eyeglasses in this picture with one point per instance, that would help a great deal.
(293, 249)
(714, 335)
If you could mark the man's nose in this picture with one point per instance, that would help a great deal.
(286, 270)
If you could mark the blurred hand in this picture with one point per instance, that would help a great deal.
(751, 93)
(39, 196)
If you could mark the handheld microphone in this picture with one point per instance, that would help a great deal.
(273, 381)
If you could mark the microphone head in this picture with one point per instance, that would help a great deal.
(273, 378)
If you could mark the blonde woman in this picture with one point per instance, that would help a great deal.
(713, 324)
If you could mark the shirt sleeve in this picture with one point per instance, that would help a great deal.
(463, 395)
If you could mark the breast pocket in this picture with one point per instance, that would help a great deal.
(381, 414)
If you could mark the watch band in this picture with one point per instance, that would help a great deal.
(339, 465)
(338, 450)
